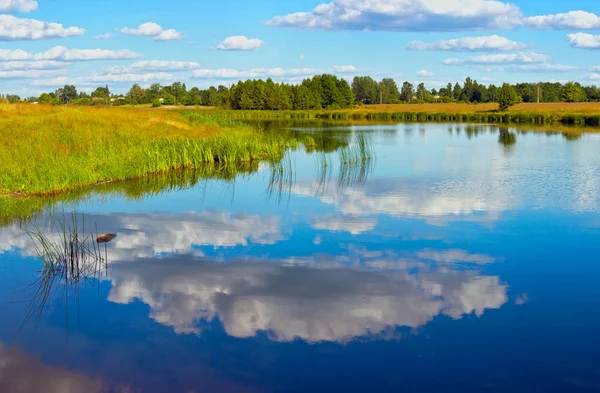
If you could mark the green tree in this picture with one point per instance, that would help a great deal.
(572, 92)
(365, 89)
(136, 95)
(507, 97)
(422, 93)
(168, 99)
(153, 92)
(66, 94)
(46, 98)
(407, 93)
(388, 91)
(457, 92)
(13, 98)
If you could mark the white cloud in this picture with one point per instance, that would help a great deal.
(300, 300)
(240, 43)
(33, 65)
(469, 44)
(143, 235)
(17, 54)
(405, 15)
(14, 29)
(168, 35)
(351, 224)
(565, 21)
(57, 81)
(28, 74)
(150, 29)
(594, 76)
(226, 73)
(302, 57)
(164, 65)
(18, 5)
(63, 53)
(145, 29)
(545, 67)
(584, 41)
(424, 73)
(520, 62)
(343, 69)
(501, 59)
(105, 36)
(129, 77)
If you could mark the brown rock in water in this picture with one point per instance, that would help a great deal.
(105, 237)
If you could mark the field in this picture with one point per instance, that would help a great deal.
(46, 149)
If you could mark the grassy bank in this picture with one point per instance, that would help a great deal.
(581, 114)
(45, 150)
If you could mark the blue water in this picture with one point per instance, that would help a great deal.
(453, 263)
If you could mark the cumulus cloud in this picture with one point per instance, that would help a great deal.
(405, 15)
(227, 73)
(16, 29)
(469, 44)
(168, 35)
(145, 29)
(151, 29)
(424, 73)
(33, 65)
(18, 54)
(584, 41)
(565, 21)
(343, 69)
(240, 43)
(18, 5)
(299, 301)
(351, 224)
(105, 36)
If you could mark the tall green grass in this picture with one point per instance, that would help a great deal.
(48, 150)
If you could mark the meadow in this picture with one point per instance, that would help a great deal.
(51, 149)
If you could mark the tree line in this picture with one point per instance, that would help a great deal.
(319, 92)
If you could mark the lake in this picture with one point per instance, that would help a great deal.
(444, 257)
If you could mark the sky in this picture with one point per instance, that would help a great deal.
(45, 44)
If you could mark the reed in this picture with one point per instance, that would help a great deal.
(71, 258)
